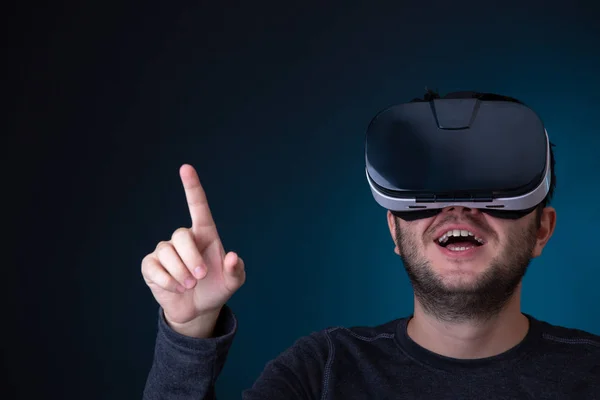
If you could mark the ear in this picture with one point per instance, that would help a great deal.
(392, 226)
(545, 231)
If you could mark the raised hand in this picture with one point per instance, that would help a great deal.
(190, 275)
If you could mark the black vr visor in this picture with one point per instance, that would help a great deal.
(491, 155)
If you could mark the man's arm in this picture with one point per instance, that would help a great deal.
(186, 368)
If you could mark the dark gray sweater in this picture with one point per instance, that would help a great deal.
(381, 363)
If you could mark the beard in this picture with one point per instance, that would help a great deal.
(480, 300)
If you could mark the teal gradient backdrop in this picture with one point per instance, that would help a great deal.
(270, 105)
(280, 156)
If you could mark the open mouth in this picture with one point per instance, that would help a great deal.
(459, 240)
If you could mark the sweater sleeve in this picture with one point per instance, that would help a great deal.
(186, 368)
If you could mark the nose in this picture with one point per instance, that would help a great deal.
(461, 210)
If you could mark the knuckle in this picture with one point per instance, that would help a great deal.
(180, 233)
(162, 246)
(150, 266)
(145, 263)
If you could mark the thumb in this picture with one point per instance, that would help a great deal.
(234, 272)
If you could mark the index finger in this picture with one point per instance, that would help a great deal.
(196, 198)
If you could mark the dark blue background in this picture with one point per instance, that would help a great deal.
(270, 103)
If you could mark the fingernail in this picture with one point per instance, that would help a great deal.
(198, 272)
(189, 282)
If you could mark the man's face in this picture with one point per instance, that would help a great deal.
(466, 265)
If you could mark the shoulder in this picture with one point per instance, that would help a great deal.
(324, 341)
(386, 330)
(363, 333)
(568, 338)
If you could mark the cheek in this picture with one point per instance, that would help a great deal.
(410, 237)
(422, 229)
(513, 233)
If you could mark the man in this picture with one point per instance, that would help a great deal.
(467, 338)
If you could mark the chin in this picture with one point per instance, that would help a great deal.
(460, 281)
(459, 272)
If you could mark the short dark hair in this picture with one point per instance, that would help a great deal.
(431, 94)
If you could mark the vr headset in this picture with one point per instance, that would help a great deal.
(460, 150)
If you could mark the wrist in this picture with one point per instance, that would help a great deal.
(201, 327)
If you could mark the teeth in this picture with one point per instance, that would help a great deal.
(458, 232)
(457, 248)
